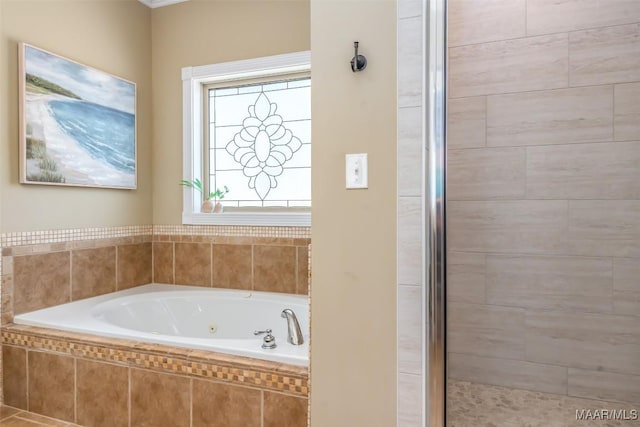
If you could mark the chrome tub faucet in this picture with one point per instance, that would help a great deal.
(295, 334)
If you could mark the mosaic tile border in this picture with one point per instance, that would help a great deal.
(201, 364)
(233, 231)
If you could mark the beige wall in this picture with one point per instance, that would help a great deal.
(353, 304)
(543, 188)
(201, 33)
(111, 35)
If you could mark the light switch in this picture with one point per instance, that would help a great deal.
(357, 170)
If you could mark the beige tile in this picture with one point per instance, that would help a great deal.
(551, 117)
(508, 373)
(232, 266)
(93, 272)
(284, 411)
(626, 286)
(409, 240)
(585, 171)
(550, 283)
(553, 16)
(627, 111)
(466, 277)
(134, 265)
(19, 422)
(302, 286)
(163, 262)
(159, 399)
(533, 63)
(486, 173)
(102, 394)
(274, 269)
(484, 330)
(527, 226)
(604, 227)
(410, 329)
(472, 21)
(410, 62)
(14, 376)
(224, 405)
(409, 400)
(51, 385)
(467, 122)
(410, 151)
(193, 264)
(584, 340)
(604, 386)
(604, 55)
(6, 412)
(41, 281)
(41, 420)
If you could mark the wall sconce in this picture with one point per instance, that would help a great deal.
(359, 62)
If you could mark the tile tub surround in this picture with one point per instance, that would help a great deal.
(543, 207)
(13, 417)
(196, 388)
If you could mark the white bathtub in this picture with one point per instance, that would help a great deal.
(185, 316)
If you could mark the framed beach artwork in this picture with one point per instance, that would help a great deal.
(77, 124)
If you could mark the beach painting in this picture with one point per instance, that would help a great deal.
(78, 124)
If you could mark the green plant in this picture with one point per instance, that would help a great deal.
(196, 184)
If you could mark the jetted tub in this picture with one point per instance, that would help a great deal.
(186, 316)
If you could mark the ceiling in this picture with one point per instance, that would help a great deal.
(160, 3)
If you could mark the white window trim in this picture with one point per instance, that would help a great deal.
(193, 80)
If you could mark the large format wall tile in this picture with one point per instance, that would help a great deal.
(163, 262)
(410, 329)
(14, 376)
(159, 399)
(102, 394)
(604, 386)
(485, 330)
(604, 227)
(274, 269)
(472, 21)
(522, 226)
(302, 273)
(533, 63)
(232, 266)
(585, 171)
(627, 111)
(410, 58)
(51, 385)
(546, 282)
(409, 400)
(223, 405)
(604, 55)
(134, 265)
(284, 411)
(553, 16)
(466, 277)
(193, 264)
(551, 117)
(582, 340)
(41, 281)
(626, 286)
(486, 173)
(93, 272)
(409, 240)
(410, 151)
(467, 122)
(508, 373)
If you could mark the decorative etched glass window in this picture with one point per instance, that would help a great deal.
(247, 128)
(259, 143)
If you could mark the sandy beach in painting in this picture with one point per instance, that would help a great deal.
(73, 162)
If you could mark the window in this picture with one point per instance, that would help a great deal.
(247, 127)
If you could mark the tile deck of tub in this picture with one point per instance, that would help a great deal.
(12, 417)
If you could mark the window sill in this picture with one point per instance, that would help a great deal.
(273, 219)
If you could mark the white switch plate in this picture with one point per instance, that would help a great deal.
(357, 171)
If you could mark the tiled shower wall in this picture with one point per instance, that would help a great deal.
(544, 196)
(410, 212)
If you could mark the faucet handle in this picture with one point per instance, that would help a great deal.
(269, 341)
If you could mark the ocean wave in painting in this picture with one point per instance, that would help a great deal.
(106, 134)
